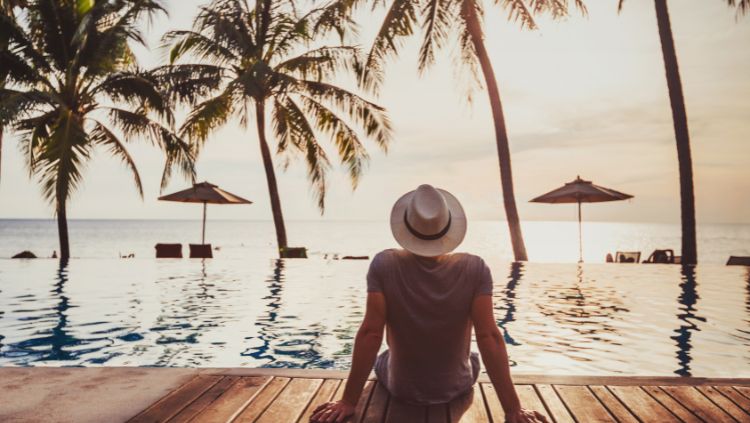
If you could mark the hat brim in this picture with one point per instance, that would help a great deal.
(429, 248)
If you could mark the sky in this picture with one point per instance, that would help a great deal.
(584, 96)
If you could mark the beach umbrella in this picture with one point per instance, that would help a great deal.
(580, 191)
(205, 193)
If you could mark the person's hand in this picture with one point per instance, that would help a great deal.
(525, 416)
(337, 412)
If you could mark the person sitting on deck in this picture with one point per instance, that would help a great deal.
(428, 300)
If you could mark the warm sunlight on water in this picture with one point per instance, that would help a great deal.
(557, 318)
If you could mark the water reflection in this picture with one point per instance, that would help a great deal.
(265, 336)
(509, 301)
(687, 315)
(586, 307)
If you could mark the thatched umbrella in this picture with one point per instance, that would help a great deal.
(580, 191)
(205, 193)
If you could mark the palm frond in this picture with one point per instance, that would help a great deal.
(437, 22)
(101, 135)
(293, 128)
(743, 6)
(398, 23)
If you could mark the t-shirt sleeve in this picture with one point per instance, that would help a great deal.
(374, 274)
(484, 284)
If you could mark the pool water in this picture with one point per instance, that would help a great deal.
(590, 319)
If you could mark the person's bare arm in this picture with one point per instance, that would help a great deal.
(366, 345)
(495, 359)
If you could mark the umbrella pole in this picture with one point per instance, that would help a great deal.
(580, 236)
(203, 235)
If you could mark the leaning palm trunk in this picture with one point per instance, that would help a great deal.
(501, 135)
(273, 189)
(679, 117)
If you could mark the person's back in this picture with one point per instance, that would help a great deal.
(428, 322)
(427, 301)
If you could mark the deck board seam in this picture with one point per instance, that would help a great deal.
(567, 407)
(312, 397)
(367, 402)
(599, 400)
(740, 392)
(675, 400)
(164, 398)
(186, 405)
(746, 411)
(547, 408)
(244, 405)
(715, 403)
(624, 404)
(273, 399)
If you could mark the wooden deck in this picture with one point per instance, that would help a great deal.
(275, 396)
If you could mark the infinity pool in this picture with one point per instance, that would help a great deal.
(593, 319)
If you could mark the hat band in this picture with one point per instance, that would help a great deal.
(424, 237)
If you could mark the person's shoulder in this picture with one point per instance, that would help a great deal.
(469, 258)
(387, 256)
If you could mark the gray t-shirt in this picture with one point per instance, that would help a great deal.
(428, 321)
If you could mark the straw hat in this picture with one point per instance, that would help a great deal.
(428, 221)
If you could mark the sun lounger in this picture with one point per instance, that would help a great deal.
(168, 250)
(628, 257)
(201, 251)
(661, 256)
(738, 261)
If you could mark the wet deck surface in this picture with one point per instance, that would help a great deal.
(292, 396)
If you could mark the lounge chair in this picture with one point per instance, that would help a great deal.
(661, 256)
(201, 251)
(168, 250)
(628, 257)
(738, 261)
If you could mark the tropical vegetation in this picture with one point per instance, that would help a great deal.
(680, 121)
(73, 86)
(271, 58)
(443, 20)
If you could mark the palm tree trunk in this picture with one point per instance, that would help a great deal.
(273, 189)
(679, 118)
(62, 229)
(501, 135)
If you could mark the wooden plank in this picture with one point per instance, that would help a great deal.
(200, 403)
(739, 399)
(613, 405)
(530, 399)
(364, 399)
(494, 407)
(170, 405)
(698, 403)
(724, 403)
(323, 395)
(584, 406)
(255, 407)
(555, 406)
(744, 390)
(642, 405)
(671, 404)
(399, 412)
(468, 408)
(232, 399)
(377, 406)
(437, 413)
(291, 402)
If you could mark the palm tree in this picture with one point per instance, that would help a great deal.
(6, 8)
(266, 56)
(74, 86)
(441, 20)
(679, 120)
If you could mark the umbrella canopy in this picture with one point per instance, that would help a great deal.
(205, 193)
(581, 191)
